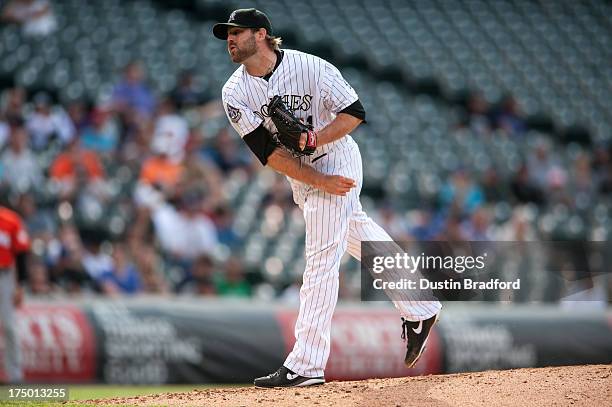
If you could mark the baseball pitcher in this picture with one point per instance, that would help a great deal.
(295, 112)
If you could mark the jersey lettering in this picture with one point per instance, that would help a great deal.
(297, 103)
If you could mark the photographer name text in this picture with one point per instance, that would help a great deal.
(449, 284)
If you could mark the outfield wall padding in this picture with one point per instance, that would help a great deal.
(156, 341)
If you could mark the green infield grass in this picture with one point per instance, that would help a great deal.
(79, 393)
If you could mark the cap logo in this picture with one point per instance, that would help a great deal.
(232, 16)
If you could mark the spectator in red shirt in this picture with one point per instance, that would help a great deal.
(75, 167)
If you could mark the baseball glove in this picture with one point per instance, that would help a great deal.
(290, 128)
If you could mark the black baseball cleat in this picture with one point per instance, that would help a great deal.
(416, 334)
(284, 377)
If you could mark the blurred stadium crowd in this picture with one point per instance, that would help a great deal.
(143, 187)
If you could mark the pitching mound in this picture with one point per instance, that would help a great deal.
(559, 386)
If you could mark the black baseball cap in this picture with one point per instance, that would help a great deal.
(244, 18)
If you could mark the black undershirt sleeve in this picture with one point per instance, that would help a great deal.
(21, 266)
(356, 110)
(261, 143)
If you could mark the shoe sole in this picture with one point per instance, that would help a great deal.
(411, 365)
(309, 382)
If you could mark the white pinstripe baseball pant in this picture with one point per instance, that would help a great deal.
(333, 225)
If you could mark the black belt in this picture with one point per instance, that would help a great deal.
(319, 157)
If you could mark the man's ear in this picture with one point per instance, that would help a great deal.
(261, 34)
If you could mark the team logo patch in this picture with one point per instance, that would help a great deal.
(233, 113)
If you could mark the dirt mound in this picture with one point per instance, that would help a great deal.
(559, 386)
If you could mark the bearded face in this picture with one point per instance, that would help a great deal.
(241, 44)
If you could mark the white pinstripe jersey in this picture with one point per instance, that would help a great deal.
(310, 86)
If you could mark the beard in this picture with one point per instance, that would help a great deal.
(240, 54)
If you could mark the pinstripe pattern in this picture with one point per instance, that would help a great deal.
(334, 224)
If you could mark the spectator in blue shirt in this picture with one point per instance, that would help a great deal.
(461, 194)
(99, 136)
(132, 94)
(123, 278)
